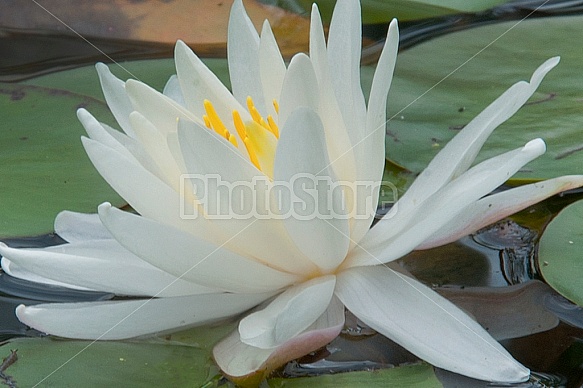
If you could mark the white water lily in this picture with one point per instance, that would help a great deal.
(307, 118)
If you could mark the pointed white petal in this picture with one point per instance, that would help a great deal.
(271, 67)
(426, 324)
(288, 314)
(243, 57)
(113, 320)
(172, 90)
(301, 159)
(300, 88)
(344, 45)
(76, 227)
(215, 161)
(494, 207)
(394, 237)
(244, 363)
(461, 151)
(19, 272)
(101, 265)
(190, 258)
(116, 97)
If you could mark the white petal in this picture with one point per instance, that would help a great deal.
(243, 57)
(289, 314)
(210, 156)
(76, 227)
(113, 320)
(344, 45)
(116, 97)
(190, 258)
(17, 271)
(461, 151)
(394, 237)
(300, 88)
(145, 192)
(494, 207)
(102, 265)
(271, 67)
(301, 158)
(172, 90)
(244, 363)
(426, 324)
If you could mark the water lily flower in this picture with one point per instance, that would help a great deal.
(309, 117)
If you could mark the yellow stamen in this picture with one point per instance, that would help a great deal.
(207, 122)
(251, 152)
(273, 126)
(255, 115)
(214, 119)
(275, 106)
(240, 126)
(233, 140)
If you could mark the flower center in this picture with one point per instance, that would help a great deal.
(259, 135)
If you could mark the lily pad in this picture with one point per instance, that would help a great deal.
(420, 376)
(181, 359)
(442, 84)
(560, 253)
(42, 164)
(379, 11)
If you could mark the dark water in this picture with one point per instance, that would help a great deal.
(500, 255)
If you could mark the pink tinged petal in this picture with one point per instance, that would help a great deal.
(300, 88)
(101, 265)
(116, 97)
(243, 58)
(394, 237)
(19, 272)
(77, 227)
(144, 192)
(344, 46)
(172, 90)
(161, 111)
(288, 314)
(271, 68)
(426, 324)
(301, 155)
(198, 83)
(191, 258)
(209, 155)
(495, 207)
(461, 151)
(114, 320)
(249, 365)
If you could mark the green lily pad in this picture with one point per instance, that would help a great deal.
(43, 166)
(181, 359)
(379, 11)
(560, 253)
(440, 86)
(419, 376)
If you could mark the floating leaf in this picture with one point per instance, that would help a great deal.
(42, 164)
(420, 376)
(440, 86)
(560, 253)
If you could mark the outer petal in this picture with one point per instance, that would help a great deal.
(101, 265)
(190, 258)
(497, 206)
(300, 88)
(249, 365)
(271, 68)
(116, 97)
(243, 57)
(426, 324)
(172, 90)
(113, 320)
(76, 227)
(394, 237)
(289, 314)
(461, 151)
(301, 157)
(18, 272)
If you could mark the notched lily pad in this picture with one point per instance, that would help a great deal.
(560, 253)
(43, 166)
